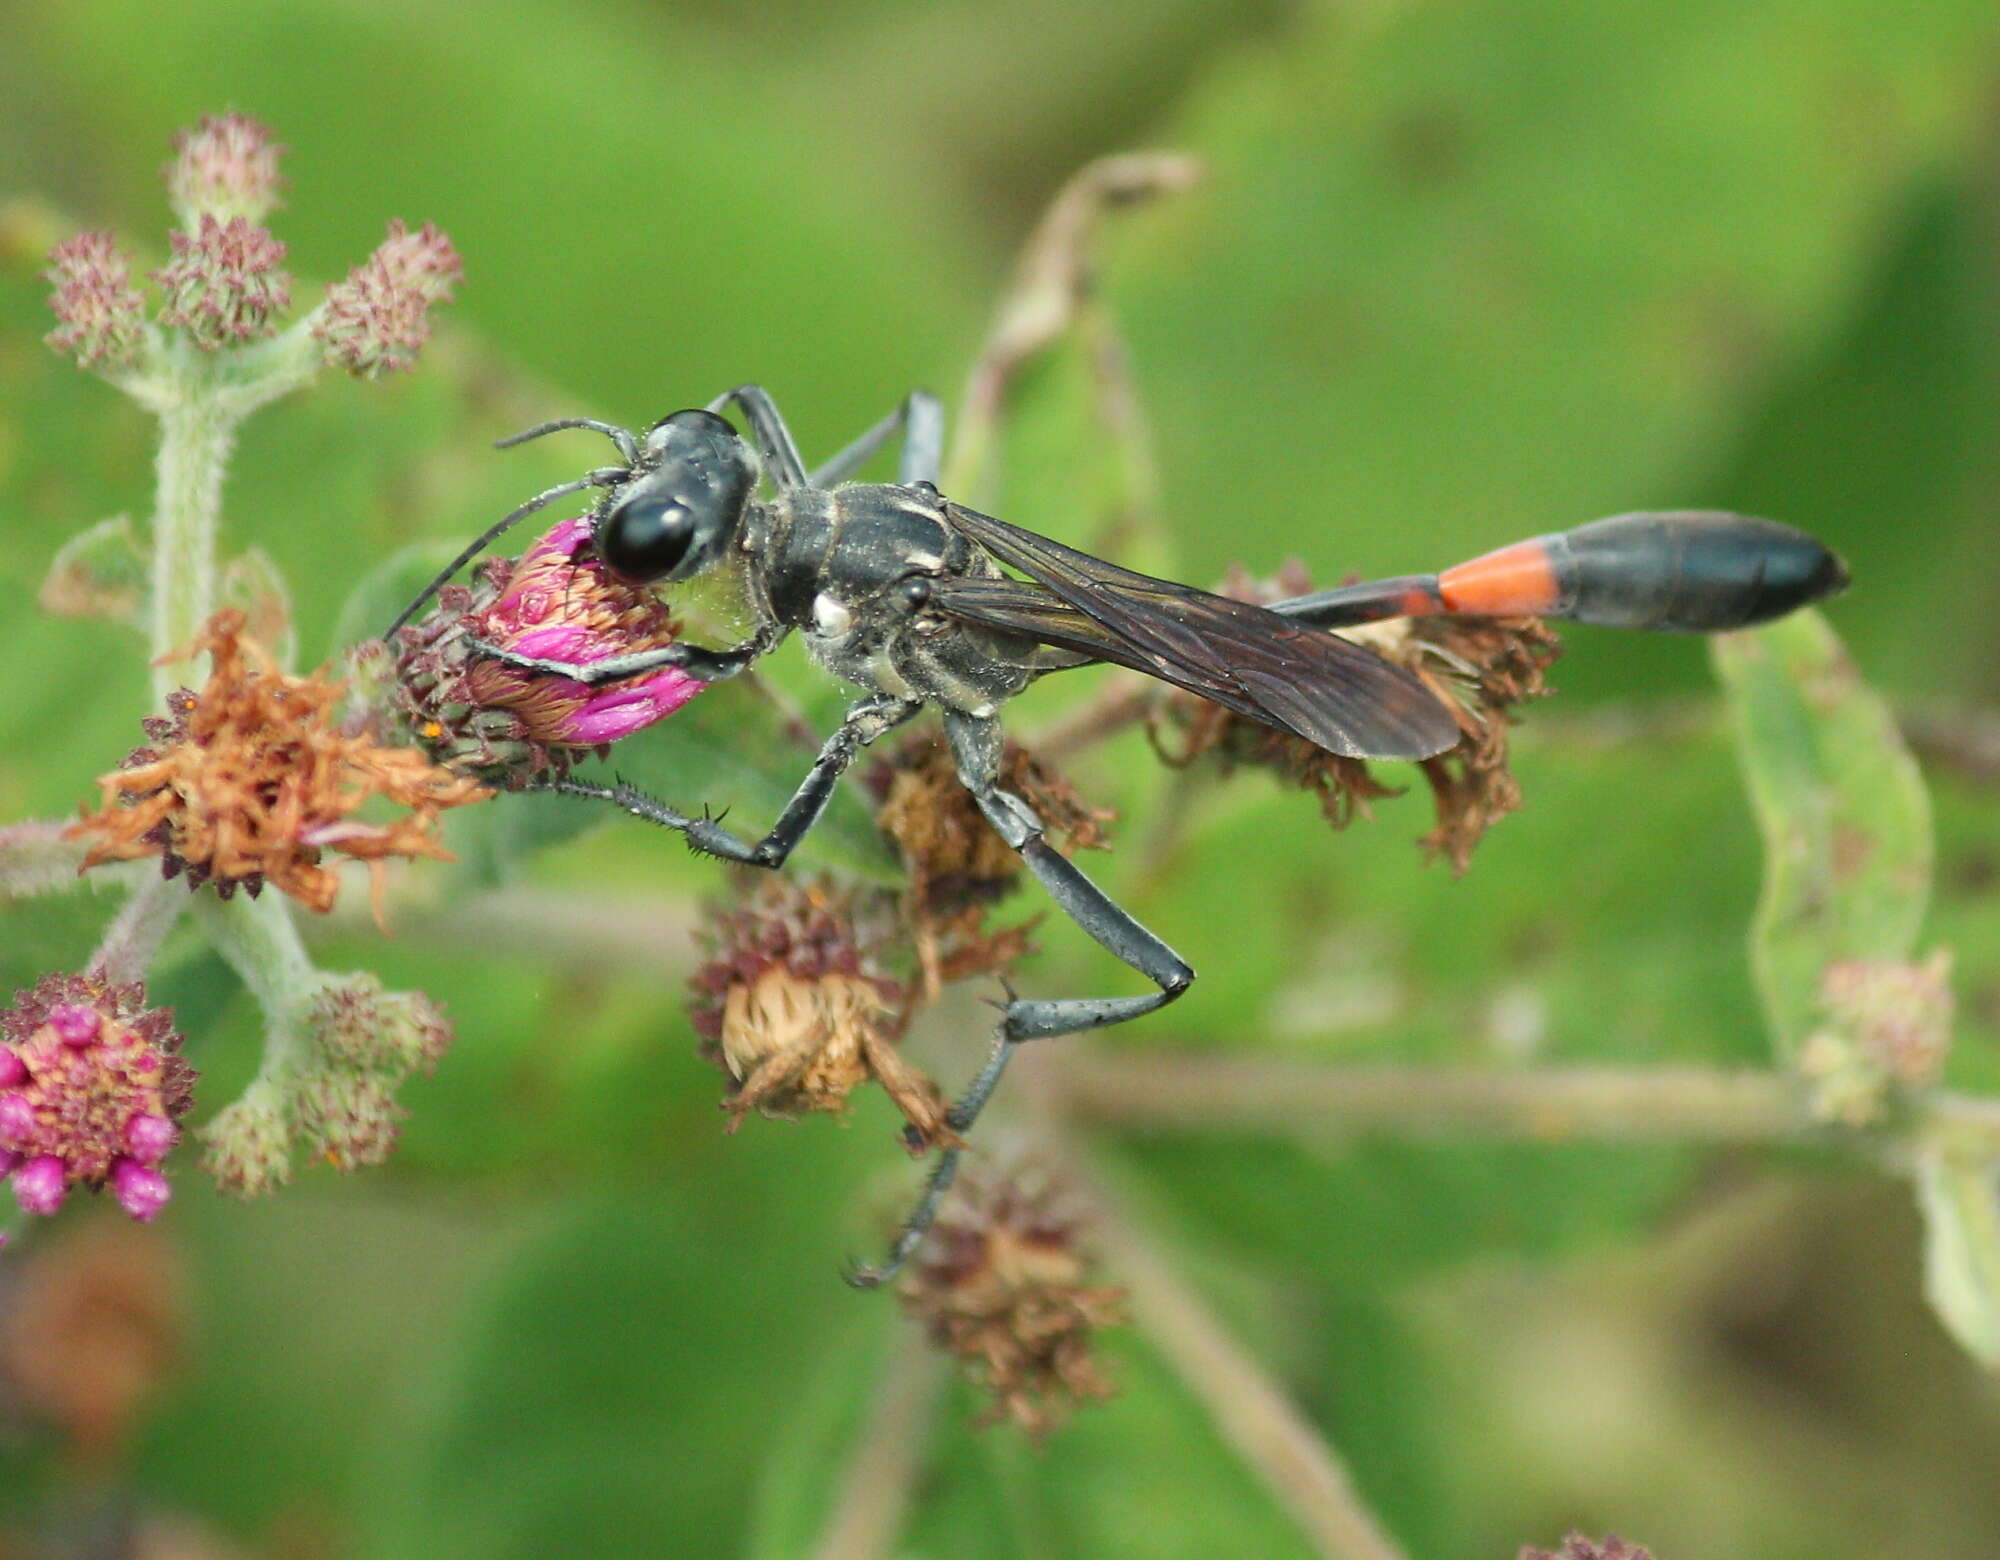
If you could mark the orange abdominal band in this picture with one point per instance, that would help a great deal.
(1516, 581)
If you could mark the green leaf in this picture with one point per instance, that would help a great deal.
(102, 571)
(1842, 808)
(1960, 1198)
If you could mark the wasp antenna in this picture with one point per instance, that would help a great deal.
(624, 438)
(603, 477)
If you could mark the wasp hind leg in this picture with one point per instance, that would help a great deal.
(977, 744)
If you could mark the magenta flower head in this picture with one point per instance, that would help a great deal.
(555, 602)
(376, 321)
(224, 285)
(91, 1089)
(226, 167)
(102, 314)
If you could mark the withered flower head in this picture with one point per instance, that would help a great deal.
(224, 168)
(377, 321)
(555, 602)
(1479, 668)
(999, 1285)
(91, 1086)
(224, 285)
(101, 311)
(253, 779)
(795, 1005)
(1577, 1547)
(957, 865)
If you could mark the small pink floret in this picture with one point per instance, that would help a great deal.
(13, 1071)
(149, 1137)
(140, 1191)
(39, 1185)
(74, 1023)
(561, 643)
(610, 716)
(17, 1118)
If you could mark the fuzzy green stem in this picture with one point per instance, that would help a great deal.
(260, 942)
(197, 436)
(134, 936)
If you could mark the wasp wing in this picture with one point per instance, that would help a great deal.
(1288, 675)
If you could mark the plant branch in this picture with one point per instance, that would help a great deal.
(1274, 1439)
(875, 1486)
(134, 936)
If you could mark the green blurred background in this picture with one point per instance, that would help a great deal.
(1457, 273)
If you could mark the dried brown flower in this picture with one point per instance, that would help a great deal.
(90, 1328)
(1577, 1547)
(1478, 667)
(999, 1285)
(957, 865)
(796, 1006)
(253, 779)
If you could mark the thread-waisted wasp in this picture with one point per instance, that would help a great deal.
(905, 594)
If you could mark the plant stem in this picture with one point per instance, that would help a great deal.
(1662, 1104)
(877, 1483)
(261, 943)
(1278, 1443)
(134, 936)
(197, 436)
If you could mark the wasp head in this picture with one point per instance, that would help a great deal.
(683, 504)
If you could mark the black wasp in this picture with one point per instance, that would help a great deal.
(905, 594)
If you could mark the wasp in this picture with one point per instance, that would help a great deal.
(920, 602)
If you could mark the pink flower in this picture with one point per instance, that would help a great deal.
(90, 1087)
(560, 605)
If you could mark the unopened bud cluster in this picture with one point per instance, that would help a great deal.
(91, 1090)
(339, 1103)
(224, 284)
(1885, 1027)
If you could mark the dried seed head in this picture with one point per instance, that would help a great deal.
(91, 1086)
(223, 285)
(253, 780)
(1577, 1547)
(102, 314)
(378, 320)
(957, 865)
(557, 601)
(225, 168)
(795, 1005)
(1478, 668)
(999, 1285)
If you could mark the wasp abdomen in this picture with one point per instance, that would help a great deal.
(1690, 571)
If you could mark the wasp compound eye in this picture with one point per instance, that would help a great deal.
(646, 537)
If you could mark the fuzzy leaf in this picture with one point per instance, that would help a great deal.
(1960, 1199)
(1843, 811)
(100, 572)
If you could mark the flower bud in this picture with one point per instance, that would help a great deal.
(223, 285)
(103, 316)
(377, 320)
(225, 168)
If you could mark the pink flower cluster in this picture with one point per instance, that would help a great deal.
(223, 285)
(559, 605)
(101, 311)
(377, 320)
(90, 1089)
(227, 166)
